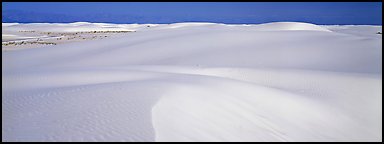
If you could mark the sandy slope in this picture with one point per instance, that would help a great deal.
(281, 81)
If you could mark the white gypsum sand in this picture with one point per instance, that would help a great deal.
(283, 81)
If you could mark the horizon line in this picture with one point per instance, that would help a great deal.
(182, 22)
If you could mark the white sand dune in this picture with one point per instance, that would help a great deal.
(279, 26)
(282, 81)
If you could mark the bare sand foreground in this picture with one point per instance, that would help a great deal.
(283, 81)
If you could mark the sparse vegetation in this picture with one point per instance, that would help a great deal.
(27, 31)
(84, 35)
(27, 42)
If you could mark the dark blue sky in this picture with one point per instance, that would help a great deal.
(170, 12)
